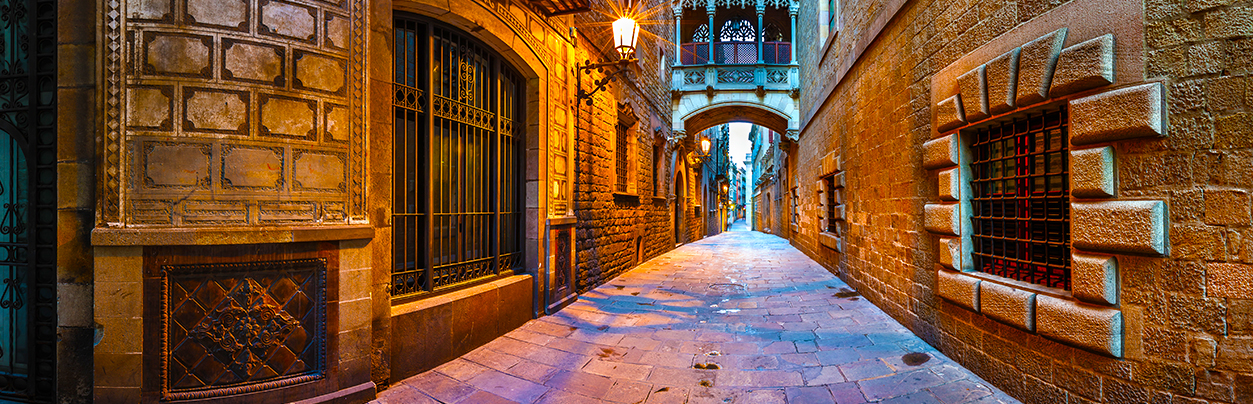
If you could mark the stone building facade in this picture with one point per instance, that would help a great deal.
(1054, 194)
(275, 201)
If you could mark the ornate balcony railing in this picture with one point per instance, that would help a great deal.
(767, 77)
(735, 53)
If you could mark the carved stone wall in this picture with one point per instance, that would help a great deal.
(237, 112)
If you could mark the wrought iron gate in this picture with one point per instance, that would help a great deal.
(27, 200)
(457, 199)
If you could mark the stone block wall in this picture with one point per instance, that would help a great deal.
(1159, 314)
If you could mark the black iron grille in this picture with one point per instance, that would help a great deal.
(832, 200)
(1021, 200)
(621, 155)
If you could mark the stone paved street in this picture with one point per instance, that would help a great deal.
(741, 317)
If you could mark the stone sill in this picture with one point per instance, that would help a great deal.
(626, 197)
(455, 295)
(659, 200)
(1016, 284)
(227, 235)
(562, 220)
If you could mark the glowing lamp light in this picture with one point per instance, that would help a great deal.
(625, 32)
(705, 143)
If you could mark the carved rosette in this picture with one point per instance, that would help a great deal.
(244, 329)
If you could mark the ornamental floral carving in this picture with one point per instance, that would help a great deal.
(243, 330)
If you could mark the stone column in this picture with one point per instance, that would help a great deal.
(678, 31)
(792, 10)
(713, 32)
(761, 31)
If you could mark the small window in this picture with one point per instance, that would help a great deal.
(624, 146)
(832, 6)
(1021, 199)
(832, 203)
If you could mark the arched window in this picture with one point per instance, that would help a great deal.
(739, 29)
(701, 34)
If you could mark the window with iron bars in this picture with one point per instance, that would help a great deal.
(831, 200)
(1021, 199)
(620, 156)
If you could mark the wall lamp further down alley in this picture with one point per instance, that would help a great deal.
(625, 33)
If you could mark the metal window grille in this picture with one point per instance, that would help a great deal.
(456, 197)
(832, 201)
(1022, 199)
(620, 157)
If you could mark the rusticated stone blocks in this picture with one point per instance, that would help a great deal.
(951, 254)
(1137, 227)
(974, 95)
(1036, 65)
(1002, 77)
(943, 218)
(1009, 305)
(1094, 278)
(941, 153)
(1086, 65)
(1119, 114)
(960, 289)
(949, 114)
(1092, 172)
(951, 184)
(1092, 328)
(1229, 280)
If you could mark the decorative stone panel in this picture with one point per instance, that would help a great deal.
(1002, 76)
(1036, 65)
(1124, 113)
(249, 168)
(289, 20)
(287, 117)
(957, 288)
(1094, 278)
(1009, 305)
(318, 172)
(1137, 227)
(230, 14)
(943, 218)
(179, 55)
(949, 114)
(150, 107)
(941, 153)
(318, 72)
(1092, 172)
(250, 61)
(1086, 65)
(215, 111)
(1092, 328)
(974, 92)
(176, 165)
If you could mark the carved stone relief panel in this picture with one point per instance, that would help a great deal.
(237, 83)
(242, 327)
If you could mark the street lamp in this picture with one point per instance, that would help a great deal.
(625, 33)
(705, 144)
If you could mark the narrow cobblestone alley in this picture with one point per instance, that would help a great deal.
(741, 317)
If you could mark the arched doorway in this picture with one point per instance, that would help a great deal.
(680, 207)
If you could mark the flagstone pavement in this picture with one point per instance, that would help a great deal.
(741, 317)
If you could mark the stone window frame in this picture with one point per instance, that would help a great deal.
(829, 21)
(624, 132)
(1102, 111)
(831, 192)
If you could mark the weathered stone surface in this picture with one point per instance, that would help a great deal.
(957, 288)
(1120, 226)
(178, 54)
(1036, 66)
(1229, 207)
(1009, 305)
(336, 123)
(286, 117)
(288, 20)
(1094, 278)
(949, 114)
(1230, 280)
(1002, 75)
(1119, 114)
(252, 168)
(148, 107)
(1086, 65)
(951, 255)
(829, 240)
(318, 171)
(227, 13)
(974, 94)
(1092, 328)
(148, 9)
(941, 153)
(320, 73)
(337, 32)
(950, 182)
(1092, 172)
(177, 165)
(253, 62)
(943, 218)
(216, 111)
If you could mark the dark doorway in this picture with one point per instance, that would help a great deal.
(679, 207)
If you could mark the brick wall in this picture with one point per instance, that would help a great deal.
(1188, 317)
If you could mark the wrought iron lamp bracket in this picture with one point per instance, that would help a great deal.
(618, 68)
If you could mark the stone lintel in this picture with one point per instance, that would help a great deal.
(1086, 65)
(943, 218)
(1002, 75)
(1137, 227)
(941, 153)
(1096, 329)
(1008, 305)
(830, 240)
(1036, 65)
(960, 289)
(1124, 113)
(950, 184)
(974, 93)
(1094, 278)
(949, 114)
(1092, 172)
